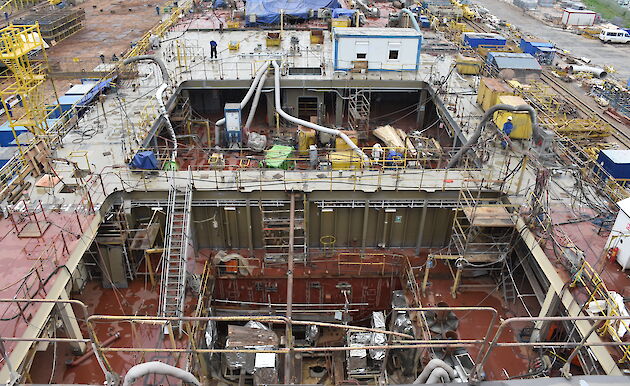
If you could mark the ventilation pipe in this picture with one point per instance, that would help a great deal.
(250, 91)
(412, 16)
(143, 369)
(252, 110)
(598, 72)
(154, 59)
(486, 116)
(438, 375)
(159, 96)
(314, 126)
(434, 365)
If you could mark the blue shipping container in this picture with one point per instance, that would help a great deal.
(615, 162)
(6, 134)
(475, 39)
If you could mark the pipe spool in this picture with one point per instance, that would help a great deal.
(596, 71)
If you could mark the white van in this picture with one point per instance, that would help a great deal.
(614, 36)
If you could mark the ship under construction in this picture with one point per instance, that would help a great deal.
(317, 192)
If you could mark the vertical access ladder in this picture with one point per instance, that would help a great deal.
(173, 285)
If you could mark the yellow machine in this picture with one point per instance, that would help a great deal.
(344, 160)
(234, 45)
(521, 120)
(490, 89)
(467, 65)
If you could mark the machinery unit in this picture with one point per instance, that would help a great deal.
(233, 135)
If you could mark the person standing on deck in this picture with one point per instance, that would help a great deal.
(213, 49)
(508, 126)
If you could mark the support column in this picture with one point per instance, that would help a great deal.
(250, 237)
(366, 215)
(271, 109)
(423, 217)
(70, 325)
(548, 308)
(338, 110)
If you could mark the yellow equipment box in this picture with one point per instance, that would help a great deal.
(344, 160)
(341, 22)
(467, 65)
(234, 45)
(521, 120)
(490, 90)
(273, 39)
(340, 144)
(317, 36)
(233, 24)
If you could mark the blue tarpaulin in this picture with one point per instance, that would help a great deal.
(268, 11)
(100, 86)
(339, 12)
(219, 4)
(144, 160)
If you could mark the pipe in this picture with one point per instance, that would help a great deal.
(252, 110)
(486, 116)
(90, 352)
(599, 72)
(412, 16)
(155, 59)
(262, 70)
(163, 112)
(143, 369)
(438, 375)
(432, 365)
(302, 122)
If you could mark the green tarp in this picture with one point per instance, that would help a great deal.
(278, 157)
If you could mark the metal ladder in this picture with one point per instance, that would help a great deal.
(275, 224)
(173, 285)
(359, 110)
(508, 286)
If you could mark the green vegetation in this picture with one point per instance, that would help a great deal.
(610, 10)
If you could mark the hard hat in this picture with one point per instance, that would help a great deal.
(510, 118)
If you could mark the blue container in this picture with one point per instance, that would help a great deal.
(475, 39)
(6, 134)
(425, 22)
(615, 162)
(53, 111)
(67, 101)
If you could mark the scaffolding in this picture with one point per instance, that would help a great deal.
(16, 42)
(482, 238)
(55, 25)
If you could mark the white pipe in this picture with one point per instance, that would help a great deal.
(252, 110)
(599, 72)
(143, 369)
(438, 375)
(164, 113)
(432, 365)
(250, 91)
(302, 122)
(412, 16)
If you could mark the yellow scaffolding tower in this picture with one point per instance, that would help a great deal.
(16, 42)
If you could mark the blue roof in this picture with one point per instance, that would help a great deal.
(69, 99)
(514, 60)
(268, 11)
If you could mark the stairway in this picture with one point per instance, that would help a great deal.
(173, 284)
(359, 111)
(275, 224)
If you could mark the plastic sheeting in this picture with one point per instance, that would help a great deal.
(144, 160)
(268, 11)
(339, 12)
(100, 86)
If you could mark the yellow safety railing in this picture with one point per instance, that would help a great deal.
(590, 280)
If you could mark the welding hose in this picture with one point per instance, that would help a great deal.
(159, 95)
(486, 117)
(250, 92)
(430, 368)
(144, 369)
(252, 110)
(311, 125)
(154, 59)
